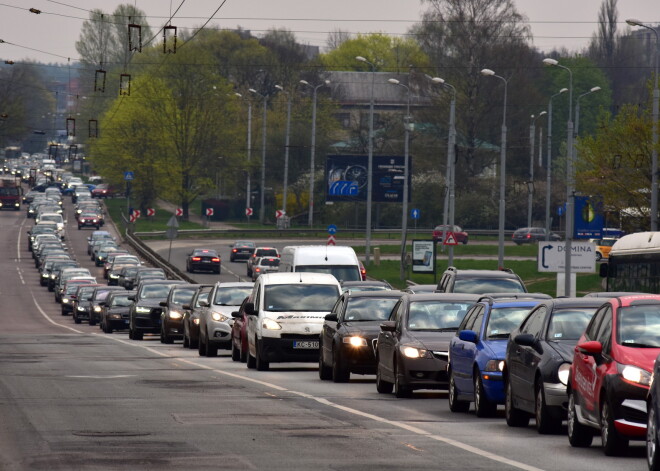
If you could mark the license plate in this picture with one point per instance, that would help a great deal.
(206, 261)
(306, 344)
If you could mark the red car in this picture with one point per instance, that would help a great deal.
(89, 220)
(102, 191)
(239, 343)
(611, 373)
(459, 234)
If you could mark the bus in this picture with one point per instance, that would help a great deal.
(634, 264)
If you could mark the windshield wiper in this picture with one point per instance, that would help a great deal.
(639, 345)
(499, 336)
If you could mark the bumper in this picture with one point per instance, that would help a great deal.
(360, 360)
(283, 349)
(633, 423)
(205, 266)
(493, 383)
(146, 324)
(173, 327)
(117, 323)
(555, 395)
(219, 334)
(424, 373)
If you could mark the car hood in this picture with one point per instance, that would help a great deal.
(149, 302)
(118, 310)
(496, 348)
(641, 357)
(564, 348)
(368, 329)
(224, 310)
(433, 340)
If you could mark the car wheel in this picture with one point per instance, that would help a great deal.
(211, 349)
(201, 347)
(579, 435)
(514, 417)
(465, 241)
(613, 443)
(107, 329)
(546, 420)
(91, 320)
(400, 390)
(652, 440)
(599, 256)
(382, 386)
(138, 335)
(325, 372)
(235, 352)
(260, 363)
(78, 226)
(217, 271)
(77, 320)
(167, 338)
(482, 406)
(455, 405)
(251, 361)
(186, 340)
(244, 354)
(340, 372)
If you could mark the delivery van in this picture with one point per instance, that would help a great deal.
(340, 261)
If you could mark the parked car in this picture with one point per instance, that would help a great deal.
(529, 235)
(455, 280)
(203, 259)
(171, 317)
(241, 250)
(191, 316)
(459, 234)
(412, 347)
(145, 312)
(349, 333)
(115, 311)
(611, 373)
(603, 247)
(265, 265)
(538, 360)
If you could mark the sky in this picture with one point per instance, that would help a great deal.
(51, 35)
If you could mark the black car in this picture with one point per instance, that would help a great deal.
(98, 297)
(412, 347)
(191, 313)
(241, 250)
(530, 235)
(538, 359)
(127, 276)
(456, 280)
(145, 312)
(55, 270)
(82, 304)
(203, 259)
(171, 317)
(115, 311)
(349, 333)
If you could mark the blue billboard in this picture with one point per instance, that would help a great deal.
(589, 219)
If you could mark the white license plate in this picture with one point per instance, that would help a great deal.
(306, 344)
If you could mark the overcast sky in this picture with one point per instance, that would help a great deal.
(554, 23)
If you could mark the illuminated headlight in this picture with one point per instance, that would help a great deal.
(494, 365)
(635, 374)
(196, 321)
(52, 277)
(563, 372)
(65, 300)
(142, 310)
(94, 221)
(115, 316)
(413, 352)
(113, 276)
(80, 308)
(175, 315)
(270, 324)
(355, 341)
(101, 258)
(44, 275)
(222, 318)
(97, 309)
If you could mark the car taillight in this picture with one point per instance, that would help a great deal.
(234, 250)
(363, 273)
(196, 259)
(257, 269)
(529, 236)
(216, 259)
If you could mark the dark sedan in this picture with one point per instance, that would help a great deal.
(350, 331)
(171, 318)
(82, 304)
(145, 312)
(115, 311)
(530, 235)
(204, 260)
(98, 297)
(241, 250)
(191, 316)
(412, 347)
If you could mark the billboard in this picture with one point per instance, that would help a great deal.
(423, 256)
(589, 219)
(346, 178)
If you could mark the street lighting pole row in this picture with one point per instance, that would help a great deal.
(530, 187)
(548, 192)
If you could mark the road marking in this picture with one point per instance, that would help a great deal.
(47, 317)
(99, 377)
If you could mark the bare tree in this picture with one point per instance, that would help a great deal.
(336, 38)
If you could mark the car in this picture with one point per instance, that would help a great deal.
(611, 373)
(191, 316)
(412, 346)
(56, 270)
(103, 253)
(96, 235)
(65, 275)
(82, 303)
(476, 352)
(603, 247)
(127, 276)
(102, 190)
(530, 235)
(69, 292)
(203, 259)
(260, 252)
(148, 273)
(89, 220)
(47, 267)
(98, 297)
(367, 285)
(349, 333)
(265, 265)
(241, 250)
(144, 315)
(115, 311)
(215, 318)
(171, 317)
(427, 288)
(111, 272)
(455, 280)
(538, 359)
(40, 229)
(239, 343)
(441, 231)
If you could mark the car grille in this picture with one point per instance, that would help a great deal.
(301, 336)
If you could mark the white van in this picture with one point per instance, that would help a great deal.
(284, 322)
(340, 261)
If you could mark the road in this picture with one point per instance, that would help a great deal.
(72, 397)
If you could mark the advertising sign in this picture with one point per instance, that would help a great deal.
(423, 256)
(346, 177)
(552, 257)
(589, 219)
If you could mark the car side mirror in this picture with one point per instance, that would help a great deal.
(526, 340)
(236, 315)
(163, 304)
(468, 336)
(591, 348)
(331, 317)
(249, 309)
(388, 326)
(186, 307)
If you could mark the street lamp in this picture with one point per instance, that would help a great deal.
(262, 200)
(404, 206)
(249, 155)
(500, 250)
(530, 192)
(448, 218)
(570, 180)
(654, 151)
(286, 146)
(548, 176)
(310, 216)
(370, 161)
(577, 107)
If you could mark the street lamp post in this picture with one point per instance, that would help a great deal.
(577, 108)
(548, 176)
(286, 146)
(530, 192)
(654, 150)
(500, 250)
(370, 164)
(570, 180)
(310, 217)
(404, 209)
(262, 199)
(248, 190)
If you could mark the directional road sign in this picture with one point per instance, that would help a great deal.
(552, 257)
(279, 213)
(450, 239)
(209, 212)
(249, 212)
(332, 229)
(331, 240)
(151, 212)
(178, 212)
(415, 213)
(128, 176)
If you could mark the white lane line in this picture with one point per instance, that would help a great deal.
(18, 240)
(99, 377)
(20, 275)
(47, 317)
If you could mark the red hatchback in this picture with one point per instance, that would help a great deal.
(611, 372)
(459, 234)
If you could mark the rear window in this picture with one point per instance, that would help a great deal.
(341, 272)
(270, 262)
(266, 253)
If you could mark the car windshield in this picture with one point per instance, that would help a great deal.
(569, 324)
(155, 291)
(369, 309)
(126, 260)
(300, 297)
(120, 301)
(202, 298)
(503, 320)
(488, 285)
(341, 272)
(639, 326)
(436, 315)
(101, 294)
(183, 295)
(231, 296)
(86, 293)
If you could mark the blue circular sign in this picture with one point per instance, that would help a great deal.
(332, 229)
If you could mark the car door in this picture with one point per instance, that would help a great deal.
(530, 357)
(462, 352)
(387, 343)
(252, 320)
(330, 329)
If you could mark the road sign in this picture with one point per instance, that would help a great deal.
(134, 215)
(450, 239)
(171, 232)
(129, 176)
(173, 222)
(331, 240)
(151, 212)
(415, 213)
(209, 212)
(249, 212)
(332, 229)
(279, 213)
(552, 257)
(178, 212)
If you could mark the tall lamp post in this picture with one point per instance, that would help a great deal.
(262, 199)
(530, 186)
(286, 146)
(570, 180)
(370, 161)
(500, 250)
(404, 206)
(248, 190)
(654, 151)
(548, 176)
(577, 108)
(310, 217)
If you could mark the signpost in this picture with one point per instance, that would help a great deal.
(332, 230)
(552, 256)
(331, 240)
(171, 232)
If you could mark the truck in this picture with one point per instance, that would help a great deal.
(11, 194)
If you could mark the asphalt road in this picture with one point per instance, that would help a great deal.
(72, 397)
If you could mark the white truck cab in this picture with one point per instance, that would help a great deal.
(340, 261)
(285, 320)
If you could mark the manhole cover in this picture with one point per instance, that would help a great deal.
(118, 433)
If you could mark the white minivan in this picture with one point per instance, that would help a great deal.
(284, 322)
(340, 261)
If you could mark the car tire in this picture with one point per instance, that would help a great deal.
(465, 241)
(137, 335)
(201, 347)
(211, 350)
(186, 339)
(92, 322)
(547, 420)
(382, 386)
(235, 352)
(325, 372)
(400, 390)
(77, 320)
(455, 405)
(482, 406)
(652, 443)
(260, 363)
(514, 417)
(217, 271)
(251, 361)
(107, 329)
(167, 339)
(613, 443)
(579, 436)
(78, 226)
(340, 372)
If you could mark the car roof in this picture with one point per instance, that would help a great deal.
(461, 297)
(385, 293)
(574, 302)
(234, 284)
(484, 274)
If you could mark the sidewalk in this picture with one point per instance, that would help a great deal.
(196, 218)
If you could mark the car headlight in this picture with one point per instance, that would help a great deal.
(355, 341)
(97, 309)
(221, 317)
(270, 324)
(80, 308)
(494, 365)
(112, 275)
(142, 310)
(44, 275)
(563, 371)
(175, 314)
(115, 316)
(196, 321)
(52, 277)
(635, 374)
(414, 352)
(65, 300)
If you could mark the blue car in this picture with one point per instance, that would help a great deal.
(476, 352)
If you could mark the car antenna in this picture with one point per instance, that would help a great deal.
(326, 253)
